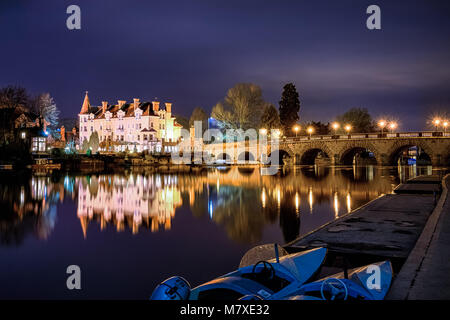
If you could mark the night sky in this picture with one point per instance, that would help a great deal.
(191, 52)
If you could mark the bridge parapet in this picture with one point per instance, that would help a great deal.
(384, 147)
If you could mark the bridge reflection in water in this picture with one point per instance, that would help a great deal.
(251, 208)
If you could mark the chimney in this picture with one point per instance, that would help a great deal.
(155, 105)
(168, 107)
(135, 103)
(121, 103)
(104, 106)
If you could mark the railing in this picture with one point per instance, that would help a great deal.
(372, 135)
(388, 135)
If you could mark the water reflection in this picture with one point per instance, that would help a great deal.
(246, 205)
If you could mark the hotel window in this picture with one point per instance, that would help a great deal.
(92, 129)
(85, 129)
(121, 138)
(138, 137)
(151, 124)
(145, 137)
(140, 126)
(23, 135)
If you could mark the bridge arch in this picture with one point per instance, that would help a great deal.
(362, 150)
(224, 157)
(284, 156)
(424, 154)
(246, 157)
(310, 155)
(307, 154)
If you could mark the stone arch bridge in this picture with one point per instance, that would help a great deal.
(385, 149)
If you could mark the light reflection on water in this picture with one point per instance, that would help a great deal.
(214, 216)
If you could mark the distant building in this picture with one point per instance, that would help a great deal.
(136, 126)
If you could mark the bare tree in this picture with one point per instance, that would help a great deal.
(242, 107)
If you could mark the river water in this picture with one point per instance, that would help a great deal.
(129, 231)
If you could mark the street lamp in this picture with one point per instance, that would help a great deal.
(436, 123)
(348, 128)
(335, 126)
(445, 124)
(382, 125)
(392, 126)
(296, 129)
(310, 130)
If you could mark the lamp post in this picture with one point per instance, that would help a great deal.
(382, 125)
(310, 130)
(296, 129)
(335, 127)
(348, 128)
(436, 123)
(445, 125)
(392, 126)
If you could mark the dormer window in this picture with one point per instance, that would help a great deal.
(91, 116)
(138, 114)
(108, 115)
(120, 115)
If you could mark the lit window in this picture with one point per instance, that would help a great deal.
(23, 135)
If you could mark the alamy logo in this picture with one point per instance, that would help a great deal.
(73, 22)
(374, 280)
(74, 280)
(374, 20)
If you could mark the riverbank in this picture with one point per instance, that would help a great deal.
(401, 227)
(425, 274)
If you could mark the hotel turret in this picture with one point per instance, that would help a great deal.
(135, 126)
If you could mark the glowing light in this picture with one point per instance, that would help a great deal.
(278, 197)
(263, 197)
(382, 124)
(210, 209)
(263, 131)
(336, 205)
(310, 130)
(296, 128)
(310, 199)
(297, 203)
(392, 126)
(348, 128)
(335, 126)
(349, 202)
(437, 122)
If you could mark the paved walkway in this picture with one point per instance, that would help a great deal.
(426, 273)
(433, 278)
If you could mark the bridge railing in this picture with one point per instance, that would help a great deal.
(386, 135)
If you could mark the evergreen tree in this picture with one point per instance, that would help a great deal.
(94, 142)
(289, 108)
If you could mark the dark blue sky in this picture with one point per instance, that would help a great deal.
(191, 52)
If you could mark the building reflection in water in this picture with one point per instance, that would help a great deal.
(131, 201)
(242, 201)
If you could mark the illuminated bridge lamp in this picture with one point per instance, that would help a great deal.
(436, 123)
(382, 125)
(296, 129)
(348, 128)
(310, 130)
(445, 125)
(392, 126)
(335, 126)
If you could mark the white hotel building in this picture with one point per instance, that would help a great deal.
(132, 126)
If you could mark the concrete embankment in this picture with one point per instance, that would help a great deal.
(401, 227)
(425, 274)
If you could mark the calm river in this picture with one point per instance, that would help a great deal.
(129, 231)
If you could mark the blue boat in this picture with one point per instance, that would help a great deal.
(273, 279)
(371, 282)
(285, 278)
